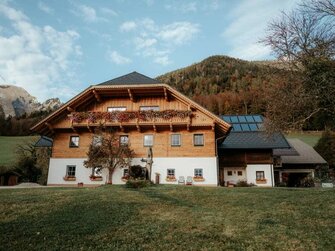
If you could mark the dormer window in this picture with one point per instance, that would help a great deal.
(117, 109)
(149, 108)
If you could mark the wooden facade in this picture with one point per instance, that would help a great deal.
(61, 127)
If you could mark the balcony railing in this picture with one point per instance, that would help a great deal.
(131, 117)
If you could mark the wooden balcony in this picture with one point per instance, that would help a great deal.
(138, 120)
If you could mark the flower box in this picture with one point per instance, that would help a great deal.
(261, 181)
(69, 178)
(198, 179)
(95, 178)
(170, 178)
(125, 178)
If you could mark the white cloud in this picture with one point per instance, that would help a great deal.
(108, 11)
(158, 42)
(44, 7)
(88, 13)
(128, 26)
(248, 25)
(178, 32)
(37, 58)
(141, 43)
(117, 58)
(182, 7)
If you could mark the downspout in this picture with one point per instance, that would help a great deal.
(217, 159)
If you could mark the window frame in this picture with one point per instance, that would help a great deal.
(194, 139)
(70, 171)
(97, 140)
(149, 108)
(74, 144)
(262, 174)
(116, 108)
(197, 171)
(229, 173)
(124, 143)
(171, 139)
(148, 145)
(94, 172)
(238, 173)
(171, 170)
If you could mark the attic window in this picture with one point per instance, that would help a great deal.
(74, 141)
(117, 109)
(149, 108)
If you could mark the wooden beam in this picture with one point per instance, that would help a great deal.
(97, 96)
(89, 128)
(50, 127)
(171, 127)
(166, 94)
(121, 127)
(131, 95)
(70, 109)
(138, 127)
(213, 126)
(154, 126)
(188, 127)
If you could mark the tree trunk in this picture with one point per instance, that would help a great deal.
(110, 175)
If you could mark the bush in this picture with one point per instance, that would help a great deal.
(243, 183)
(281, 184)
(138, 183)
(307, 182)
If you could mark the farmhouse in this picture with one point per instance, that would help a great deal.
(148, 115)
(185, 142)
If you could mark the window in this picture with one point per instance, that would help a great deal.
(97, 171)
(239, 173)
(74, 141)
(148, 140)
(149, 108)
(198, 172)
(117, 109)
(97, 140)
(125, 172)
(171, 172)
(198, 139)
(124, 140)
(175, 140)
(260, 175)
(70, 171)
(230, 173)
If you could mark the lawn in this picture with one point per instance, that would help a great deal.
(8, 146)
(310, 137)
(167, 218)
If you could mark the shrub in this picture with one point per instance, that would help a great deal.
(307, 182)
(281, 184)
(243, 183)
(138, 183)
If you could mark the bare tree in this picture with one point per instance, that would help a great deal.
(305, 38)
(106, 151)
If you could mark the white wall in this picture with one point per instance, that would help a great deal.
(183, 167)
(251, 174)
(234, 178)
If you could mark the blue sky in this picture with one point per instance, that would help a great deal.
(56, 48)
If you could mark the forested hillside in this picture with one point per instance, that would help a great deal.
(227, 85)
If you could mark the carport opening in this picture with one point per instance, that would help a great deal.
(294, 179)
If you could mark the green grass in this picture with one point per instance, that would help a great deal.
(167, 218)
(310, 138)
(8, 146)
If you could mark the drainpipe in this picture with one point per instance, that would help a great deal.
(217, 159)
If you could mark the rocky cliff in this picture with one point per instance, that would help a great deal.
(16, 101)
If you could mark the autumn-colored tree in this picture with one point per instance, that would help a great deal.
(106, 151)
(305, 38)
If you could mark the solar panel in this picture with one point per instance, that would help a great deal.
(244, 123)
(242, 119)
(249, 118)
(258, 118)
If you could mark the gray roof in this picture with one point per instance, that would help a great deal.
(133, 78)
(307, 155)
(254, 140)
(44, 142)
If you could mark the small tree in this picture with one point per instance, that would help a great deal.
(106, 151)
